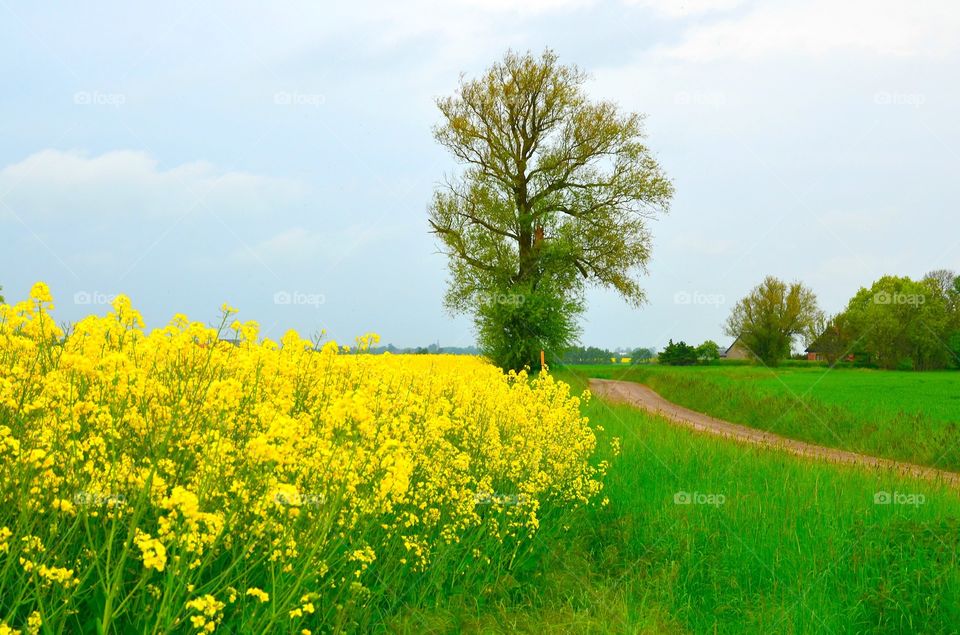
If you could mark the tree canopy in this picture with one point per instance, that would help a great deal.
(678, 354)
(771, 316)
(902, 323)
(555, 193)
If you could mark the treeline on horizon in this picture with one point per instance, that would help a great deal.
(897, 323)
(573, 355)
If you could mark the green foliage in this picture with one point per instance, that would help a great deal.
(640, 355)
(953, 345)
(771, 315)
(556, 190)
(708, 352)
(586, 355)
(678, 354)
(836, 338)
(901, 324)
(512, 328)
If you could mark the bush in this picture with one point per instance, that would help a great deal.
(708, 352)
(678, 354)
(514, 325)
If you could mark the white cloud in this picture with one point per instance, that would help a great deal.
(687, 8)
(297, 246)
(55, 183)
(823, 27)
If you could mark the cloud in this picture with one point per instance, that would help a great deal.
(298, 245)
(820, 28)
(686, 8)
(55, 184)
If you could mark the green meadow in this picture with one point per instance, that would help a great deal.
(894, 414)
(704, 535)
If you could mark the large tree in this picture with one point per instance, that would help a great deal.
(555, 193)
(768, 319)
(834, 338)
(902, 323)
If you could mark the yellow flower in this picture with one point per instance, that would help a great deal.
(261, 595)
(40, 292)
(207, 605)
(271, 459)
(285, 495)
(152, 551)
(65, 506)
(59, 575)
(210, 613)
(34, 623)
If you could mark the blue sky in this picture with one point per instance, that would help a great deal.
(279, 156)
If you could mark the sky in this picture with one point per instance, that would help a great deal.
(279, 157)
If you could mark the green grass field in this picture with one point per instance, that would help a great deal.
(769, 543)
(901, 415)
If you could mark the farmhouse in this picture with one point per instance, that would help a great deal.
(736, 351)
(827, 347)
(816, 353)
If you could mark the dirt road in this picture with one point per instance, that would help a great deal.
(643, 397)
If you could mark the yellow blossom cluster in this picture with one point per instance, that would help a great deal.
(144, 475)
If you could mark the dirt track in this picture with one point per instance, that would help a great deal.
(643, 397)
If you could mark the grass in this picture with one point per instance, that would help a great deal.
(793, 546)
(900, 415)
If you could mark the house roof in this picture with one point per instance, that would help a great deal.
(816, 346)
(730, 348)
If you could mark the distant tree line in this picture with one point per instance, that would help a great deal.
(432, 349)
(595, 355)
(896, 323)
(682, 354)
